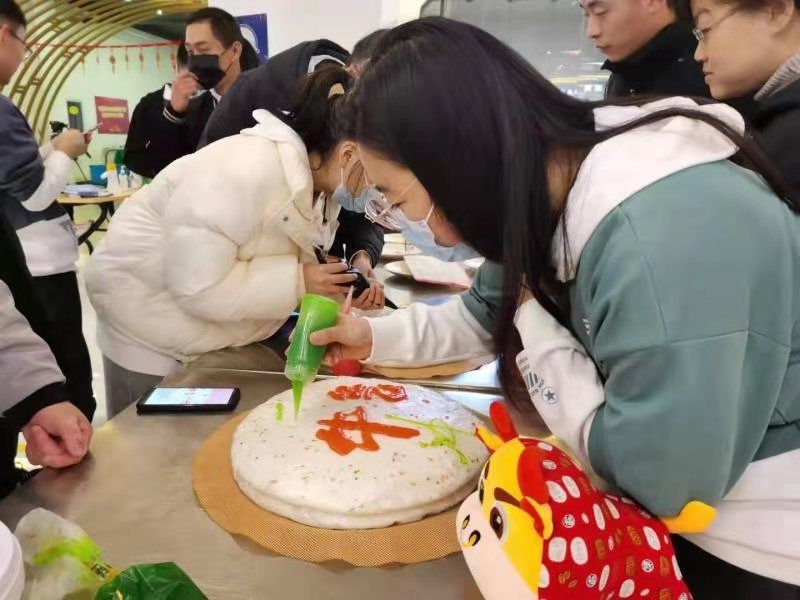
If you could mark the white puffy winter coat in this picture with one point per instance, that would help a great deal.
(210, 254)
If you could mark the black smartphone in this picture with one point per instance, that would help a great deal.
(181, 400)
(361, 283)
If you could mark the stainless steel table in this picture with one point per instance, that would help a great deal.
(134, 494)
(134, 497)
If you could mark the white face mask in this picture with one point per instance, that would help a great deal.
(419, 233)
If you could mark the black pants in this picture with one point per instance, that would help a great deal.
(60, 301)
(710, 578)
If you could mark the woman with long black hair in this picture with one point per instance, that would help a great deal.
(650, 281)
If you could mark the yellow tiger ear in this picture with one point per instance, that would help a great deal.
(490, 440)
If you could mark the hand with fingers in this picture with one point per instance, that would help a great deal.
(351, 337)
(71, 142)
(327, 279)
(57, 436)
(372, 298)
(184, 85)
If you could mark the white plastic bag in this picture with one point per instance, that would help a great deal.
(60, 558)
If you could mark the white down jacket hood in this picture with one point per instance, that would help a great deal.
(209, 255)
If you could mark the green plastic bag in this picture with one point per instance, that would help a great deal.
(164, 581)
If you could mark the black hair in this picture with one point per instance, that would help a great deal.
(182, 56)
(223, 24)
(364, 47)
(318, 116)
(478, 125)
(249, 58)
(10, 11)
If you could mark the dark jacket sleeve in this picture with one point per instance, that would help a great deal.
(21, 166)
(21, 413)
(484, 299)
(14, 273)
(21, 173)
(780, 137)
(147, 117)
(359, 233)
(234, 112)
(169, 140)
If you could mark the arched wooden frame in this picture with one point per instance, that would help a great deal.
(55, 25)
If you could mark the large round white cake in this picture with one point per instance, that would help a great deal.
(358, 457)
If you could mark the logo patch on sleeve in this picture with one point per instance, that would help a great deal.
(535, 384)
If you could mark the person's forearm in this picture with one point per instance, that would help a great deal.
(57, 167)
(428, 335)
(560, 377)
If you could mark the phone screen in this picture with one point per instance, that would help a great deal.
(189, 397)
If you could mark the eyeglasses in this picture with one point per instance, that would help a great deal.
(701, 34)
(28, 49)
(379, 211)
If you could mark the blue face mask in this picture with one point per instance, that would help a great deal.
(353, 203)
(348, 201)
(420, 235)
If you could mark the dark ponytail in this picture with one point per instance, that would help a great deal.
(317, 116)
(477, 125)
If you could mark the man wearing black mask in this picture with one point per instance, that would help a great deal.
(217, 55)
(141, 156)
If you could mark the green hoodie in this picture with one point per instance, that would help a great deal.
(687, 298)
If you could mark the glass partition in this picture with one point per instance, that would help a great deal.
(548, 33)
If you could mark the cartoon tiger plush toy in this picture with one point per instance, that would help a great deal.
(538, 528)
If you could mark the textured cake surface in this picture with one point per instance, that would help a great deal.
(378, 463)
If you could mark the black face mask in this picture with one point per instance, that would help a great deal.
(206, 68)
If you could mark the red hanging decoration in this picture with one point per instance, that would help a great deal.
(89, 47)
(83, 63)
(141, 58)
(173, 58)
(127, 60)
(158, 58)
(113, 60)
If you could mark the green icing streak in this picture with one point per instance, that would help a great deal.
(279, 411)
(297, 392)
(444, 435)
